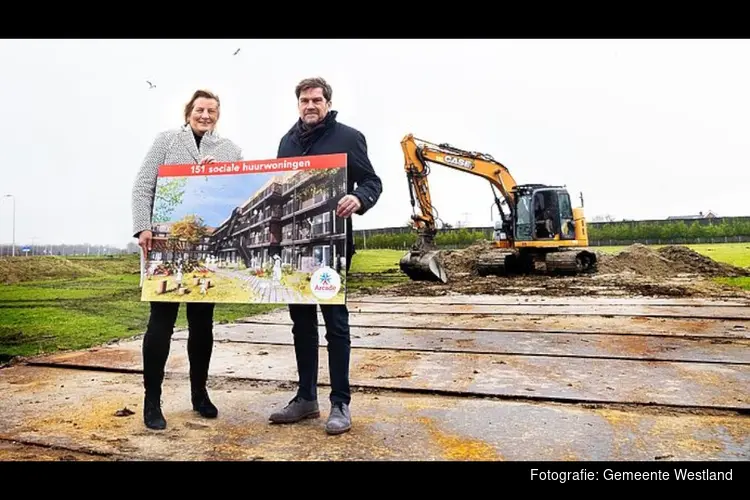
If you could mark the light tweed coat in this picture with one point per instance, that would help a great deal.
(176, 146)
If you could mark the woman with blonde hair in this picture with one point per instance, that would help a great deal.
(194, 142)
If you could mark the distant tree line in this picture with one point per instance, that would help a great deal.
(6, 250)
(670, 230)
(447, 238)
(602, 233)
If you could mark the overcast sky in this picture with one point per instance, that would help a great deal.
(644, 128)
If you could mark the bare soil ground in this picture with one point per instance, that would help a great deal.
(672, 271)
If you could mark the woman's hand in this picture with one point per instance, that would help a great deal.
(144, 241)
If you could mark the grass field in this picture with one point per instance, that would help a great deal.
(376, 261)
(94, 301)
(374, 268)
(53, 303)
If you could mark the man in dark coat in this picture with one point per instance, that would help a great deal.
(318, 132)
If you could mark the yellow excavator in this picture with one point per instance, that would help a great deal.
(539, 228)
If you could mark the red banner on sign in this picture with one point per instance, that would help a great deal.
(255, 166)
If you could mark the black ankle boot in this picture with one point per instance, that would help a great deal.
(152, 415)
(203, 405)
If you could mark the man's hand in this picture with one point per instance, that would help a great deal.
(144, 241)
(348, 205)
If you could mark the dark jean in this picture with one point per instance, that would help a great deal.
(305, 331)
(158, 337)
(306, 345)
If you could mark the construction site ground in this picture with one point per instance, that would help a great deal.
(619, 365)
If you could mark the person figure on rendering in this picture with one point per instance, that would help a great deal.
(316, 132)
(196, 142)
(276, 269)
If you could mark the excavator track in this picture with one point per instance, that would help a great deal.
(507, 262)
(575, 261)
(498, 263)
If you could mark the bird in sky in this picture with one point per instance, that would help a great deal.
(150, 85)
(236, 52)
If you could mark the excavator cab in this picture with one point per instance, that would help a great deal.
(543, 213)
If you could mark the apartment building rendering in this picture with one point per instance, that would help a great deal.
(292, 216)
(164, 247)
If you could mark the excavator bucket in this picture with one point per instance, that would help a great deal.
(423, 266)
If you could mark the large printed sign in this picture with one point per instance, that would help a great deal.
(249, 232)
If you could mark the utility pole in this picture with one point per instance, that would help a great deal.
(14, 222)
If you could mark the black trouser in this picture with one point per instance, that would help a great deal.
(158, 338)
(305, 332)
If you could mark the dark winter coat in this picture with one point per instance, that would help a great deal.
(332, 137)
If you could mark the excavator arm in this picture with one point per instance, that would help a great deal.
(422, 262)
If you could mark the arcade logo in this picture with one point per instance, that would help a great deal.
(325, 283)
